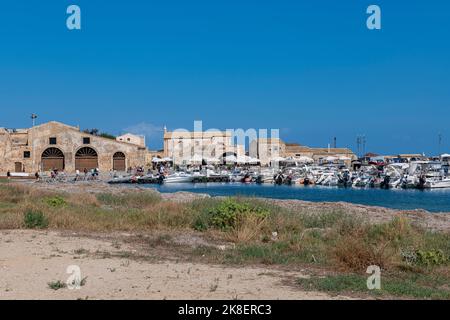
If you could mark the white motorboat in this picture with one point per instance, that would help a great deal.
(179, 177)
(437, 183)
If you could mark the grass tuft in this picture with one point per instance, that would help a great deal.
(57, 285)
(35, 220)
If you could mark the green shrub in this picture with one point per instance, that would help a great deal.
(35, 220)
(56, 201)
(228, 213)
(431, 258)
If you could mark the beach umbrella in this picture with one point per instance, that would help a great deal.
(212, 160)
(195, 159)
(246, 159)
(167, 159)
(277, 159)
(330, 159)
(241, 159)
(253, 160)
(230, 159)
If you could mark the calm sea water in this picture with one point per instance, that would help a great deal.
(431, 200)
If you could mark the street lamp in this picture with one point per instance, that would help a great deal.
(33, 118)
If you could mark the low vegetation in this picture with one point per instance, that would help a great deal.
(57, 285)
(35, 220)
(414, 261)
(418, 286)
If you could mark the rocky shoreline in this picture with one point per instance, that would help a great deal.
(371, 214)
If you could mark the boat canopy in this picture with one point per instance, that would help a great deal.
(230, 158)
(253, 160)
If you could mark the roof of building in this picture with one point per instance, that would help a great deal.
(293, 144)
(371, 155)
(77, 129)
(130, 135)
(410, 155)
(270, 140)
(195, 135)
(331, 150)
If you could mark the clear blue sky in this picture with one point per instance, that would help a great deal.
(309, 68)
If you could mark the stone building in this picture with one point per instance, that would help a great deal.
(185, 146)
(133, 139)
(270, 148)
(319, 155)
(54, 145)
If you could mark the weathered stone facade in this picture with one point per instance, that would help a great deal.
(182, 146)
(36, 149)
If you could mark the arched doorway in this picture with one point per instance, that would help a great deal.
(52, 158)
(86, 158)
(119, 161)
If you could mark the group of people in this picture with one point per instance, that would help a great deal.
(87, 174)
(160, 169)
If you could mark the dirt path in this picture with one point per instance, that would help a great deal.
(29, 260)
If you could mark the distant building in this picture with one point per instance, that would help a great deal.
(184, 146)
(272, 148)
(404, 158)
(54, 145)
(371, 157)
(321, 155)
(151, 154)
(268, 149)
(133, 139)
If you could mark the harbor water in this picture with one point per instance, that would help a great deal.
(432, 200)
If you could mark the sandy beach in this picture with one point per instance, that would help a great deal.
(29, 260)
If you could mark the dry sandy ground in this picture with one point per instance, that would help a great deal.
(29, 260)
